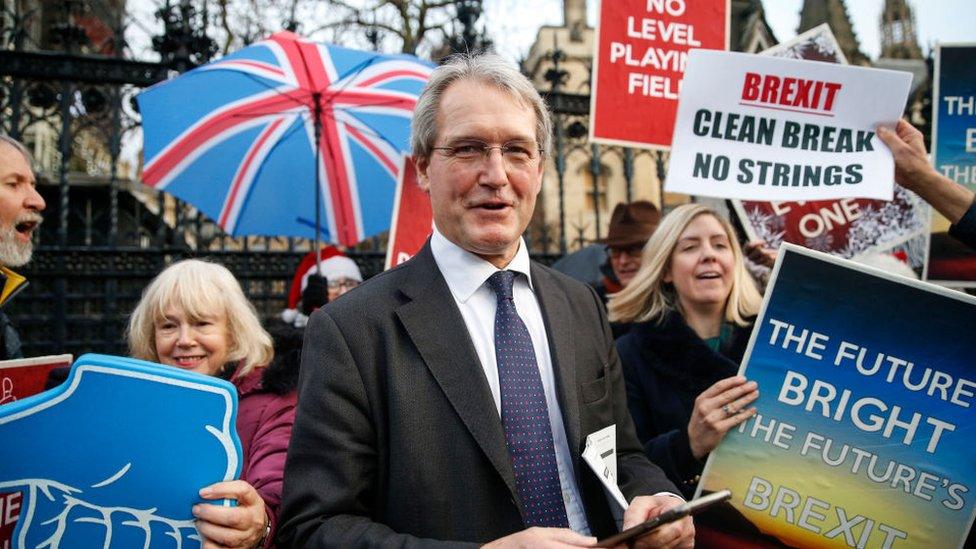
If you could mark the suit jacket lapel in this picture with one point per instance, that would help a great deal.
(437, 329)
(559, 326)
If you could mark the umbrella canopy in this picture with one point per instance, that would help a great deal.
(245, 138)
(584, 264)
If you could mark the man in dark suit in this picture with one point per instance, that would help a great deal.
(449, 400)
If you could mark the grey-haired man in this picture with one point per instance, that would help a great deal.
(20, 215)
(447, 402)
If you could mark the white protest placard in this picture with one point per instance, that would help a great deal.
(766, 128)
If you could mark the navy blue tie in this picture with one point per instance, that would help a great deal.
(525, 416)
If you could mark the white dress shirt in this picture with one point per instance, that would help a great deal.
(466, 274)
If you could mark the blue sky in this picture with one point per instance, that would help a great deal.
(940, 20)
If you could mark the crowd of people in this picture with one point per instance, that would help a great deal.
(448, 401)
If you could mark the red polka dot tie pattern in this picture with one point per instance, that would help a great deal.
(525, 416)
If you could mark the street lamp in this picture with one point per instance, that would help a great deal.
(184, 43)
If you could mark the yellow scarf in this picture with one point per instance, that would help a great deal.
(12, 283)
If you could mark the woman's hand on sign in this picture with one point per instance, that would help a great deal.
(758, 252)
(243, 525)
(718, 409)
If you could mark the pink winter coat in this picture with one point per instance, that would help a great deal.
(264, 421)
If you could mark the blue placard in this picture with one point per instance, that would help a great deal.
(116, 455)
(954, 127)
(953, 154)
(867, 411)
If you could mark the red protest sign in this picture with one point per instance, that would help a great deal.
(849, 227)
(10, 504)
(412, 217)
(19, 379)
(641, 50)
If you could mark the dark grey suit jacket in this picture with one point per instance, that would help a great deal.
(397, 441)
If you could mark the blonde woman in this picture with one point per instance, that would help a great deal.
(692, 304)
(194, 316)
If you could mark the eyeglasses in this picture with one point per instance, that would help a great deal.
(515, 153)
(632, 251)
(343, 283)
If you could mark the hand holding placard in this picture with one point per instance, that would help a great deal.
(743, 118)
(718, 409)
(913, 171)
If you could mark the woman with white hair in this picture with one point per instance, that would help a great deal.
(195, 316)
(692, 304)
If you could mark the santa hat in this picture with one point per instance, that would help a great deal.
(334, 266)
(895, 262)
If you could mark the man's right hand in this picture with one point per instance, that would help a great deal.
(542, 537)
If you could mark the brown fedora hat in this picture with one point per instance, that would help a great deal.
(631, 224)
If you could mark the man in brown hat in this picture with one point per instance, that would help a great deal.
(630, 227)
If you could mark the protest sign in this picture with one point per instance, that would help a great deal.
(864, 432)
(641, 50)
(953, 153)
(852, 228)
(412, 217)
(21, 378)
(766, 128)
(117, 454)
(816, 44)
(10, 505)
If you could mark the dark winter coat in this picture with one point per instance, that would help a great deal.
(10, 346)
(606, 286)
(11, 284)
(666, 367)
(265, 414)
(965, 230)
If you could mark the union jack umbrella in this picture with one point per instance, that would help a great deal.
(244, 138)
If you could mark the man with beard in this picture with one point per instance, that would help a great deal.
(20, 215)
